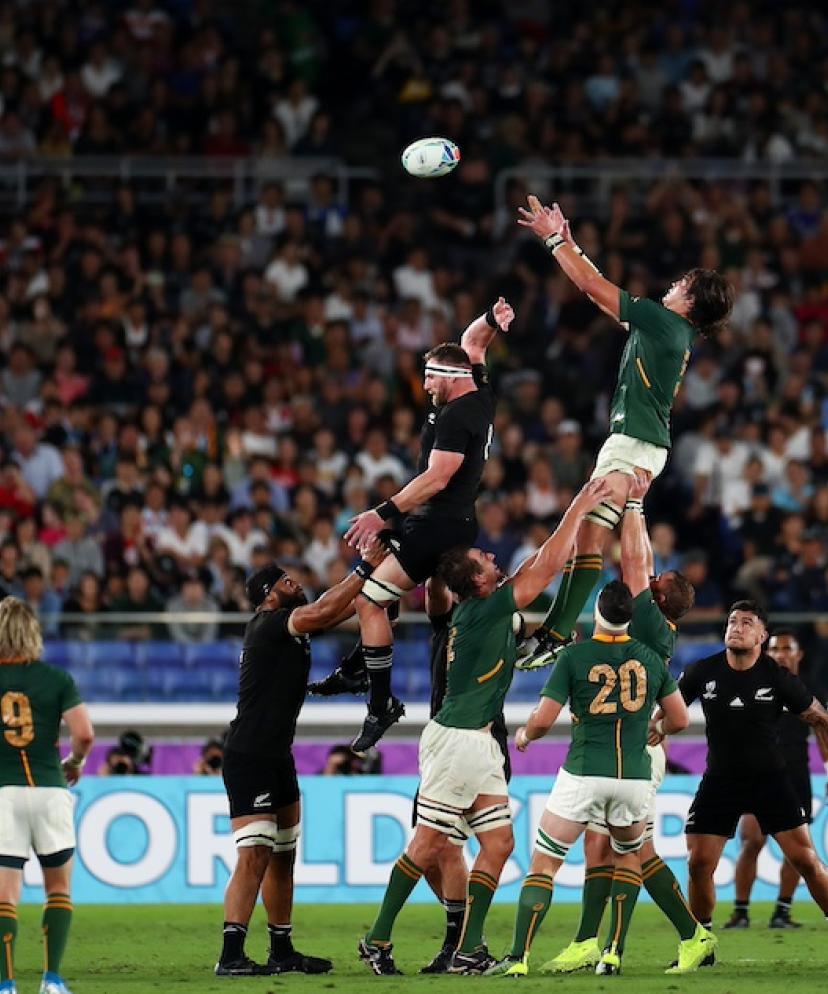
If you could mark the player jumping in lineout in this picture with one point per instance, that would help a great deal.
(652, 368)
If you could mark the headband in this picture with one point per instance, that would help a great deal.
(435, 369)
(608, 625)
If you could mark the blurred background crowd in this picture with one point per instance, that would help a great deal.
(191, 387)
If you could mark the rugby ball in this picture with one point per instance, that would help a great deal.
(428, 158)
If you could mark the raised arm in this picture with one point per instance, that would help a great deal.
(537, 572)
(438, 599)
(549, 224)
(329, 608)
(636, 550)
(479, 334)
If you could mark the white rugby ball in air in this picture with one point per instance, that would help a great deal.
(428, 158)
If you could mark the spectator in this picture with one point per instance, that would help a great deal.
(45, 603)
(39, 462)
(211, 760)
(85, 598)
(80, 550)
(137, 599)
(193, 599)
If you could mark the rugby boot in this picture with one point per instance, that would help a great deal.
(693, 952)
(378, 958)
(376, 725)
(577, 956)
(476, 962)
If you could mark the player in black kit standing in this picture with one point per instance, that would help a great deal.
(259, 772)
(436, 508)
(783, 648)
(742, 693)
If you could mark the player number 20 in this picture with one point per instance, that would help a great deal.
(633, 690)
(17, 719)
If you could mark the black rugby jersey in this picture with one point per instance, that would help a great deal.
(464, 425)
(273, 677)
(741, 711)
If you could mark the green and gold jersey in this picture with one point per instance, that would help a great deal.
(649, 626)
(481, 660)
(33, 697)
(611, 683)
(652, 367)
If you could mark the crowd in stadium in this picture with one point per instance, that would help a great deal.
(188, 390)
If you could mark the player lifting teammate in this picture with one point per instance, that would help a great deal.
(259, 772)
(658, 603)
(652, 368)
(742, 693)
(436, 509)
(461, 765)
(35, 806)
(611, 683)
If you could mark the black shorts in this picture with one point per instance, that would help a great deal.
(420, 541)
(721, 801)
(259, 784)
(801, 782)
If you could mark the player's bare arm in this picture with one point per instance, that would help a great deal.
(549, 224)
(441, 467)
(329, 608)
(479, 334)
(538, 571)
(816, 716)
(671, 718)
(540, 721)
(81, 737)
(636, 550)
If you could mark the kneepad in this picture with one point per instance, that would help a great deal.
(287, 839)
(606, 514)
(625, 848)
(487, 819)
(257, 833)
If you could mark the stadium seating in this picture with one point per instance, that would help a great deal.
(208, 672)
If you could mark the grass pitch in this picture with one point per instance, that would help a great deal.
(144, 949)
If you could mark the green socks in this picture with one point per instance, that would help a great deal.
(8, 933)
(597, 886)
(572, 594)
(534, 901)
(626, 886)
(665, 890)
(57, 917)
(404, 878)
(482, 887)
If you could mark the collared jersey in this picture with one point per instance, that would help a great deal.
(652, 368)
(611, 684)
(650, 626)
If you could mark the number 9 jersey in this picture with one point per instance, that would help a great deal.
(33, 698)
(611, 683)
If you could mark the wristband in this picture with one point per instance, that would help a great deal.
(554, 242)
(363, 569)
(74, 762)
(491, 321)
(388, 509)
(659, 726)
(633, 504)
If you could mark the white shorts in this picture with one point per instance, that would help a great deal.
(39, 818)
(607, 800)
(457, 765)
(622, 453)
(658, 758)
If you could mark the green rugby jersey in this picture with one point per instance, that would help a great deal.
(481, 660)
(649, 626)
(33, 697)
(652, 367)
(611, 683)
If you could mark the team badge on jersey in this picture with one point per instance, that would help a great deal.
(710, 691)
(764, 694)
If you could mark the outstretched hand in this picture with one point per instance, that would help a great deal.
(591, 494)
(544, 221)
(640, 484)
(363, 528)
(503, 313)
(373, 551)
